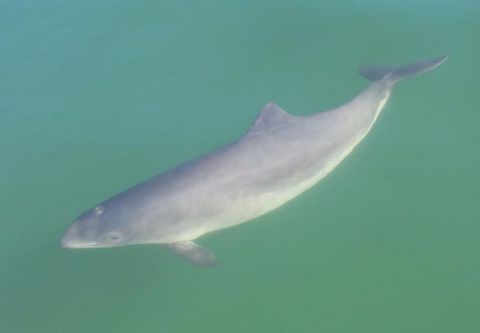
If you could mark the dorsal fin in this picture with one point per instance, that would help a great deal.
(270, 117)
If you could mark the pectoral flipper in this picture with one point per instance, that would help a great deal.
(194, 253)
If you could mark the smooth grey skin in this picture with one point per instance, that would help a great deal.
(279, 157)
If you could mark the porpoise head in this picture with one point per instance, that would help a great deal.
(101, 226)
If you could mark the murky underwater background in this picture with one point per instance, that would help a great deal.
(96, 96)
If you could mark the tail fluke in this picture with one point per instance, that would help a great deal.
(395, 73)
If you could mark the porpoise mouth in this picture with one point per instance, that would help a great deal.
(67, 244)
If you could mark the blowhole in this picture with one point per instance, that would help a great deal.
(99, 210)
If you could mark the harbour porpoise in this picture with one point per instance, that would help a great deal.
(279, 157)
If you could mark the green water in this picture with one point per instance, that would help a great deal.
(99, 95)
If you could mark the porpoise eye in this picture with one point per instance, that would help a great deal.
(98, 210)
(114, 237)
